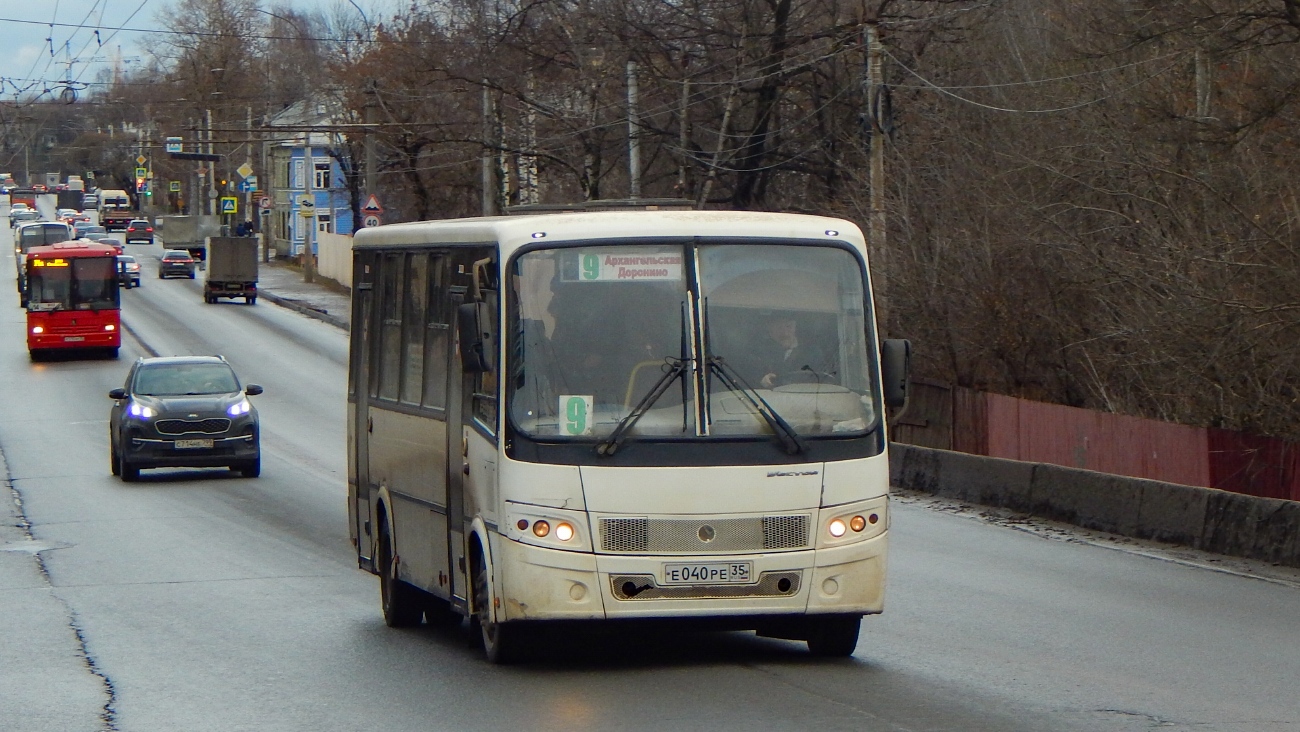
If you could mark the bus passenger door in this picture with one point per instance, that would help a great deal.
(361, 426)
(456, 463)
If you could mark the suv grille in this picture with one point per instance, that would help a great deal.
(213, 426)
(703, 535)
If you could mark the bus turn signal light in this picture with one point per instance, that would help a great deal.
(857, 523)
(541, 529)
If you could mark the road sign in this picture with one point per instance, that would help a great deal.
(265, 203)
(174, 186)
(141, 173)
(244, 170)
(371, 220)
(307, 213)
(141, 160)
(229, 205)
(372, 205)
(248, 185)
(306, 201)
(173, 144)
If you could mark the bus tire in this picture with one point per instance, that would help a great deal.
(399, 601)
(500, 640)
(833, 636)
(112, 351)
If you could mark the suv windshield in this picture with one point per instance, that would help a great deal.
(177, 379)
(777, 344)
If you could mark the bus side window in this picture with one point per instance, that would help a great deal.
(485, 382)
(437, 325)
(391, 280)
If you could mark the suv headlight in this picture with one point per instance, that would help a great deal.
(240, 407)
(141, 411)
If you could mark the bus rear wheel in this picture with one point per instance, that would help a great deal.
(833, 636)
(399, 601)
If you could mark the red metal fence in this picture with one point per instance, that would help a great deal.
(1018, 429)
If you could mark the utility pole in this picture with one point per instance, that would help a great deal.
(248, 160)
(212, 165)
(633, 133)
(309, 223)
(488, 153)
(371, 102)
(876, 229)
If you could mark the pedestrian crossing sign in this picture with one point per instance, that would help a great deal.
(229, 205)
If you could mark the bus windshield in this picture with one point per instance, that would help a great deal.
(74, 283)
(41, 234)
(774, 336)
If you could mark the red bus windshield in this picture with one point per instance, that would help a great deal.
(72, 283)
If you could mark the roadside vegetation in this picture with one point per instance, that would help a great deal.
(1088, 203)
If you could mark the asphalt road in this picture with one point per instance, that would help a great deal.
(199, 600)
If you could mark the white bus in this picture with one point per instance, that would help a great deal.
(621, 415)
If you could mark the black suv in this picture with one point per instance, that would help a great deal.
(183, 411)
(139, 230)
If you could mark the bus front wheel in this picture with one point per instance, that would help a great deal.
(500, 640)
(834, 636)
(400, 601)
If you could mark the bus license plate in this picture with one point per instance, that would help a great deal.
(708, 573)
(73, 339)
(193, 444)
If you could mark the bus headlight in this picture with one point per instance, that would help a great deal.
(38, 329)
(110, 327)
(555, 528)
(854, 523)
(563, 531)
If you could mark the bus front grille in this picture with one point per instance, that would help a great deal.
(185, 426)
(644, 587)
(703, 535)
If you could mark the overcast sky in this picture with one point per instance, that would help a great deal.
(93, 33)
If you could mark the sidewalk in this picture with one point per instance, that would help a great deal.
(281, 283)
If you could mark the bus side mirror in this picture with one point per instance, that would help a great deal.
(118, 393)
(895, 367)
(475, 337)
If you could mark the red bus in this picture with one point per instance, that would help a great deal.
(72, 298)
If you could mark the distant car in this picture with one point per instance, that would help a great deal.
(66, 214)
(22, 216)
(19, 206)
(106, 239)
(183, 411)
(176, 262)
(85, 229)
(139, 230)
(128, 271)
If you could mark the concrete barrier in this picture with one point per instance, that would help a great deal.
(1204, 518)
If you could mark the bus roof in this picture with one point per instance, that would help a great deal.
(73, 248)
(513, 232)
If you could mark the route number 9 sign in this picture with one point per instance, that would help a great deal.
(575, 414)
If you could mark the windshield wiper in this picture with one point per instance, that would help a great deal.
(616, 438)
(790, 439)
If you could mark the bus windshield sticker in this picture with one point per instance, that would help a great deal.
(628, 265)
(575, 414)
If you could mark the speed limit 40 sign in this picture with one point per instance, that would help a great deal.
(371, 220)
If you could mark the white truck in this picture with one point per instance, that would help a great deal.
(232, 269)
(187, 232)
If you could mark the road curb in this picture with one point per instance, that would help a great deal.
(1209, 519)
(300, 307)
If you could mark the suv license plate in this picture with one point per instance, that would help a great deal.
(708, 573)
(193, 444)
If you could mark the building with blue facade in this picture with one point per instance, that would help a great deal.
(285, 226)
